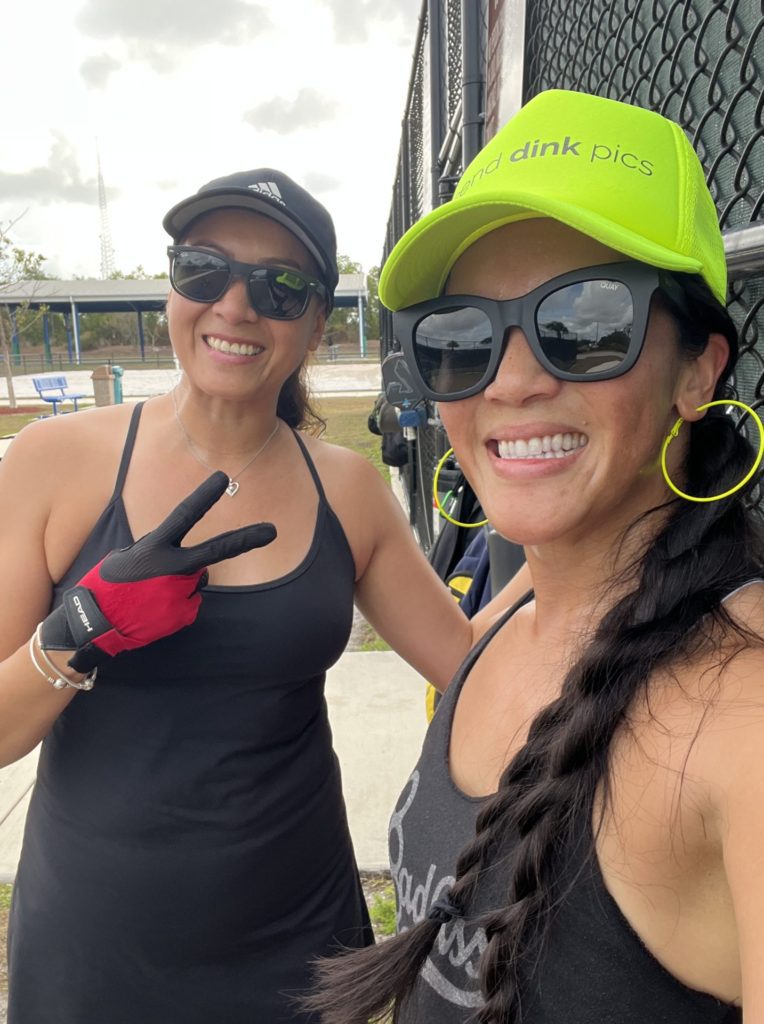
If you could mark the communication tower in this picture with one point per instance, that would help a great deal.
(107, 249)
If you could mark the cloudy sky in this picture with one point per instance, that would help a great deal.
(173, 93)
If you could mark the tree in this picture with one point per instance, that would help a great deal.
(372, 307)
(342, 318)
(139, 274)
(347, 266)
(557, 326)
(16, 265)
(121, 329)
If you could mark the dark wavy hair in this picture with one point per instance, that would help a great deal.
(696, 554)
(294, 407)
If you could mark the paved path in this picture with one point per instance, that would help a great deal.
(325, 378)
(376, 708)
(16, 783)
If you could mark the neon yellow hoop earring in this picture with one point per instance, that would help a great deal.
(469, 526)
(675, 433)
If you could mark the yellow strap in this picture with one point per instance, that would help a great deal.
(461, 584)
(430, 697)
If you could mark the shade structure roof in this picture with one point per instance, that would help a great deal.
(93, 295)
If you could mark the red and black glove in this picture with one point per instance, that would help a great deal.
(138, 594)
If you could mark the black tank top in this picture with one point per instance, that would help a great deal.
(594, 969)
(186, 852)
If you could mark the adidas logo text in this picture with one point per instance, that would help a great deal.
(269, 189)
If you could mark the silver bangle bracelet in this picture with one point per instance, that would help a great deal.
(55, 678)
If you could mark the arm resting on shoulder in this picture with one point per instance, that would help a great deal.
(401, 595)
(730, 749)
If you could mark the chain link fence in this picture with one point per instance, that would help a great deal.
(429, 164)
(699, 62)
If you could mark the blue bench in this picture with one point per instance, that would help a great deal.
(55, 389)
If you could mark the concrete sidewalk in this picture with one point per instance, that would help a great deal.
(376, 707)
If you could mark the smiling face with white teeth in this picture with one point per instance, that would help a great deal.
(555, 460)
(225, 348)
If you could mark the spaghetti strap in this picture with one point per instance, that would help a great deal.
(748, 583)
(311, 466)
(490, 633)
(127, 452)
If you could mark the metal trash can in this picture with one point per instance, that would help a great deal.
(103, 385)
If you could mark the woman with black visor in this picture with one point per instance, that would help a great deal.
(580, 841)
(187, 853)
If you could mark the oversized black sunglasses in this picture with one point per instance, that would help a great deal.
(279, 293)
(586, 325)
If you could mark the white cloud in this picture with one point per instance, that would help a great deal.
(97, 70)
(222, 108)
(308, 109)
(172, 24)
(320, 183)
(59, 180)
(355, 20)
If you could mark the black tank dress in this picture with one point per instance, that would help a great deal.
(186, 852)
(593, 969)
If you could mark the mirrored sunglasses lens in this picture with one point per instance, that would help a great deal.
(200, 276)
(585, 328)
(453, 348)
(277, 293)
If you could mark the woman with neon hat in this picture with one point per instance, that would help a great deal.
(580, 839)
(187, 851)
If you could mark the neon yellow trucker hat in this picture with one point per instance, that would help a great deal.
(618, 173)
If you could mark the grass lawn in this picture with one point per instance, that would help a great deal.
(382, 909)
(12, 420)
(346, 425)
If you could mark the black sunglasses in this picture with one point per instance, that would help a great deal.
(279, 293)
(586, 325)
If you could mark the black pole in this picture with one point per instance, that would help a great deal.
(141, 335)
(407, 212)
(435, 32)
(472, 82)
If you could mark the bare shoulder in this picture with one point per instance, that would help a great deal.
(344, 472)
(727, 678)
(746, 606)
(736, 669)
(725, 690)
(362, 499)
(515, 588)
(63, 440)
(52, 457)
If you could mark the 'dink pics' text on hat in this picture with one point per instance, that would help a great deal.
(538, 150)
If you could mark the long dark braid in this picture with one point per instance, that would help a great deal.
(673, 609)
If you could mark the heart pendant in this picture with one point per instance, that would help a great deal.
(232, 488)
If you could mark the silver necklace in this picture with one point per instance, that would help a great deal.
(233, 482)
